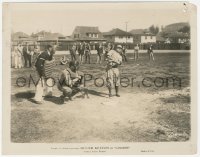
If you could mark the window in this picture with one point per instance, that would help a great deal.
(151, 37)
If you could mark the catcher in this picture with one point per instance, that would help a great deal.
(71, 82)
(114, 59)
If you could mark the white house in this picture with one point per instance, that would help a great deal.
(148, 38)
(87, 33)
(143, 36)
(118, 36)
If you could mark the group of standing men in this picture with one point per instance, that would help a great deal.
(25, 55)
(84, 52)
(83, 49)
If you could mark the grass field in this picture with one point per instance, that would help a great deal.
(141, 114)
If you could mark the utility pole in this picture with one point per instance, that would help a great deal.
(126, 31)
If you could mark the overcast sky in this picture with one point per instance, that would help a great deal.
(63, 17)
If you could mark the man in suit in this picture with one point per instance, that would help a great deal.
(30, 54)
(81, 52)
(45, 81)
(73, 52)
(25, 54)
(87, 53)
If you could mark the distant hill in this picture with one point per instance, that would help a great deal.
(175, 27)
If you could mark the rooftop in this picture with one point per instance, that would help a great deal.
(117, 32)
(140, 32)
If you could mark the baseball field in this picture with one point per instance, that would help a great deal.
(154, 104)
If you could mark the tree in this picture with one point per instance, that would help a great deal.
(185, 29)
(153, 29)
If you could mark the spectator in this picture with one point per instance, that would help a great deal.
(99, 49)
(73, 52)
(87, 53)
(136, 52)
(18, 56)
(81, 52)
(25, 54)
(36, 53)
(123, 53)
(150, 52)
(64, 60)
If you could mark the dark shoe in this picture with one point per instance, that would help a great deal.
(70, 98)
(62, 99)
(117, 95)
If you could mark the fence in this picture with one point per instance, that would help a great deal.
(166, 46)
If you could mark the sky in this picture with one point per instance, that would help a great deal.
(63, 17)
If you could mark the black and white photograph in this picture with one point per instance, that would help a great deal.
(103, 73)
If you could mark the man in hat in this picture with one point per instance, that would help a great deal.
(114, 59)
(44, 64)
(150, 52)
(71, 81)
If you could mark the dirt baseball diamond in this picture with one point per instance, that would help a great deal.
(141, 114)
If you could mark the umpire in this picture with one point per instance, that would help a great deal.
(44, 59)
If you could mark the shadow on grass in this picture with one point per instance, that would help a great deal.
(55, 100)
(96, 93)
(24, 95)
(177, 99)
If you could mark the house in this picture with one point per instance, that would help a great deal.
(178, 37)
(63, 43)
(118, 36)
(143, 36)
(87, 34)
(22, 38)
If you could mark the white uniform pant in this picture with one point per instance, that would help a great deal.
(43, 88)
(18, 60)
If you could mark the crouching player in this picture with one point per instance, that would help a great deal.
(71, 82)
